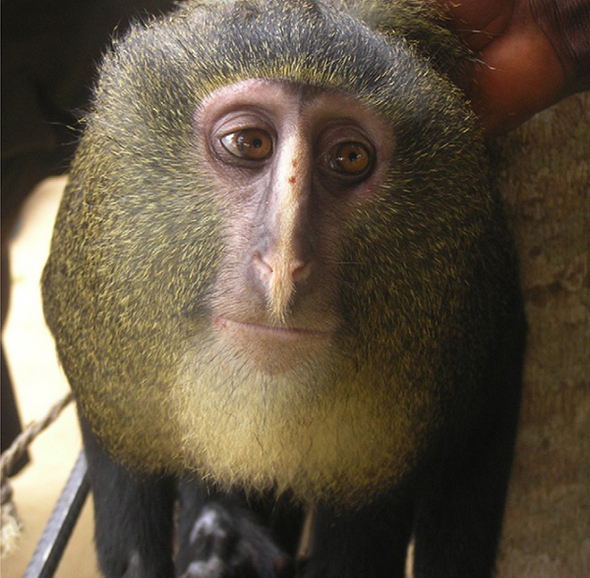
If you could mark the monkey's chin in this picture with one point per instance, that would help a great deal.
(329, 429)
(272, 349)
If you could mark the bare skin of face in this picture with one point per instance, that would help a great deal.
(299, 161)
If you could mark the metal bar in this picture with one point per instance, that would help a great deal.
(55, 537)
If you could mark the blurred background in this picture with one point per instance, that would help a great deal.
(39, 383)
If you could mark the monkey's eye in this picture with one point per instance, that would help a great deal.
(251, 144)
(349, 159)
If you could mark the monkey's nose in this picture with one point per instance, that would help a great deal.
(291, 268)
(280, 271)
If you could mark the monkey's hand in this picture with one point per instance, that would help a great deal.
(226, 545)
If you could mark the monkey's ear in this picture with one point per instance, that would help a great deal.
(423, 25)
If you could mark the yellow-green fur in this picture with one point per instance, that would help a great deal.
(128, 283)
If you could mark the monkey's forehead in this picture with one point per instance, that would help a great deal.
(206, 46)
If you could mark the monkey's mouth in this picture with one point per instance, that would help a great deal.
(276, 333)
(272, 349)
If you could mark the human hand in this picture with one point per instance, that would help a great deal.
(519, 72)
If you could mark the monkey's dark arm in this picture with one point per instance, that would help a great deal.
(459, 519)
(370, 542)
(133, 517)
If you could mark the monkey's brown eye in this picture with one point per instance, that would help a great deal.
(349, 158)
(250, 144)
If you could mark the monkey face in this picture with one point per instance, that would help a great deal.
(269, 252)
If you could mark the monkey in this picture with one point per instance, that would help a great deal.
(284, 291)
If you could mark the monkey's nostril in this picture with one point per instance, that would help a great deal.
(263, 268)
(301, 270)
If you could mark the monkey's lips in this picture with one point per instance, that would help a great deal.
(289, 334)
(274, 349)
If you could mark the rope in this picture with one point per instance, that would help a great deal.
(11, 524)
